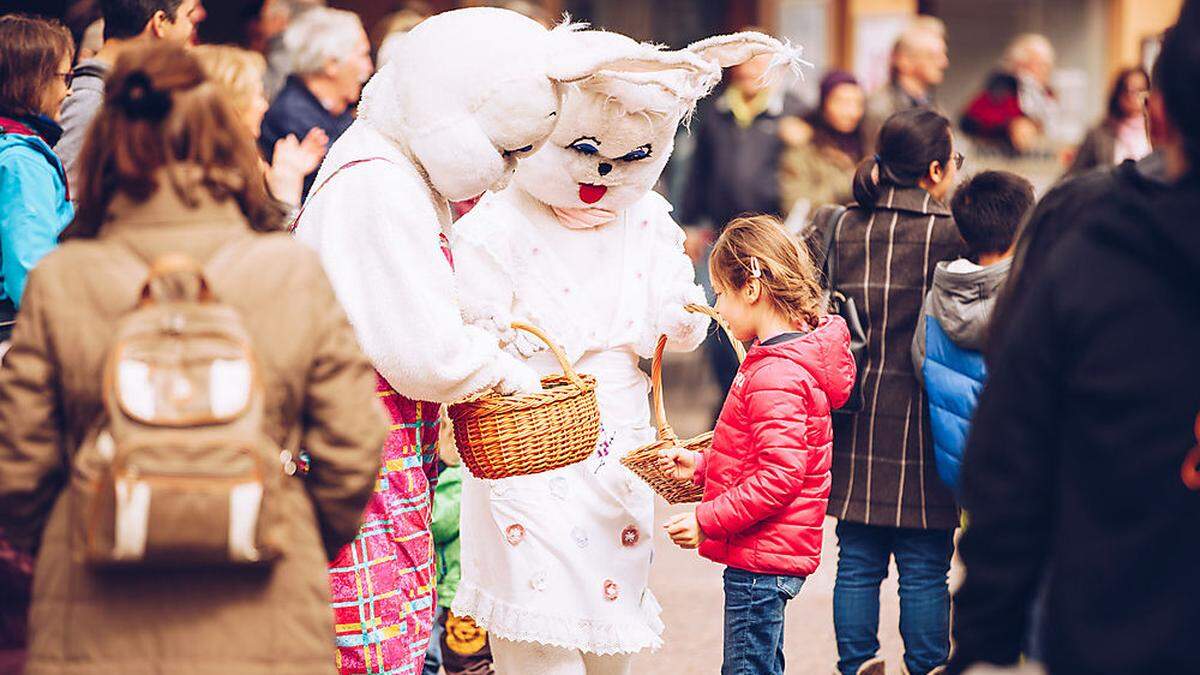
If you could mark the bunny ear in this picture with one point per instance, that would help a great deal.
(579, 54)
(736, 48)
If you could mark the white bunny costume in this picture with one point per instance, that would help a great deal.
(466, 95)
(555, 565)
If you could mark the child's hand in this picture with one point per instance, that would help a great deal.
(684, 530)
(677, 463)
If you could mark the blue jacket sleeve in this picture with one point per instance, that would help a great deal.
(29, 221)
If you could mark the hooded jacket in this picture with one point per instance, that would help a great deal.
(766, 478)
(947, 353)
(1072, 472)
(34, 206)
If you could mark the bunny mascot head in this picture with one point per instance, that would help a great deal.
(469, 92)
(617, 128)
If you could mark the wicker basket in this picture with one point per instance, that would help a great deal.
(644, 460)
(504, 436)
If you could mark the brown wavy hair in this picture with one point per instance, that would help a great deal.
(31, 51)
(163, 119)
(787, 273)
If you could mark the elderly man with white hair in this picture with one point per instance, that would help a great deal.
(331, 59)
(1017, 108)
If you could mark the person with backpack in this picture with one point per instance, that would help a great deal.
(947, 349)
(173, 356)
(35, 67)
(886, 495)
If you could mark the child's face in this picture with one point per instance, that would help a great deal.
(739, 308)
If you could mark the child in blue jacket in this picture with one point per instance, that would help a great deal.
(947, 349)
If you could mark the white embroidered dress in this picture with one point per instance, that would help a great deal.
(563, 557)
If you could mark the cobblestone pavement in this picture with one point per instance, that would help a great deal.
(689, 587)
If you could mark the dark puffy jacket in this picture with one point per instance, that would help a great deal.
(766, 479)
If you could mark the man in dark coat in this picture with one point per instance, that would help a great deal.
(1075, 472)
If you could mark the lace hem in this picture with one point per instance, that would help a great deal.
(518, 624)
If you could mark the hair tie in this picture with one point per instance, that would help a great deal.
(878, 159)
(141, 100)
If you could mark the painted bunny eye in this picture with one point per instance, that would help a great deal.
(585, 145)
(518, 151)
(636, 154)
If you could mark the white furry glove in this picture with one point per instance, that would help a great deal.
(516, 377)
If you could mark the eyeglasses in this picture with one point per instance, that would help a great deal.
(958, 158)
(67, 78)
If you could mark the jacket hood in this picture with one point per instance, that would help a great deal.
(962, 301)
(823, 352)
(1153, 226)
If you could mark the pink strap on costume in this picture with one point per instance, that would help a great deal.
(313, 195)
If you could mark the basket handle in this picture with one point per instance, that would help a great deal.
(558, 352)
(664, 430)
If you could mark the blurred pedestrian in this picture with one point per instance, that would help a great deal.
(35, 75)
(733, 170)
(1017, 109)
(240, 72)
(126, 23)
(168, 170)
(918, 66)
(951, 337)
(1080, 473)
(766, 477)
(86, 23)
(274, 17)
(35, 66)
(331, 59)
(1123, 133)
(818, 165)
(886, 494)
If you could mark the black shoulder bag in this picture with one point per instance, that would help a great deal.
(825, 222)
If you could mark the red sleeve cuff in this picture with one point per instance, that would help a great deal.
(698, 474)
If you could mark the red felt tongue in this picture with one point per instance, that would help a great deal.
(590, 194)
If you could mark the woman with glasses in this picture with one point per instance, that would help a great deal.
(35, 72)
(886, 493)
(1122, 134)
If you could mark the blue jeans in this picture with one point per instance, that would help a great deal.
(433, 655)
(923, 560)
(754, 621)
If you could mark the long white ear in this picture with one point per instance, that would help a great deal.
(577, 54)
(735, 48)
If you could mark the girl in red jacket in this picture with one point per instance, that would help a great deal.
(766, 479)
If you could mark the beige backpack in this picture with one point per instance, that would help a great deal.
(179, 472)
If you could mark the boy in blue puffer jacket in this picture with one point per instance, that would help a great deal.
(947, 349)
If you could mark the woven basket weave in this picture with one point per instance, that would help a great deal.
(644, 460)
(504, 436)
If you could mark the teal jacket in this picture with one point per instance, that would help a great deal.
(34, 208)
(447, 507)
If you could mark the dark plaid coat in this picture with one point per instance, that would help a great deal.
(883, 467)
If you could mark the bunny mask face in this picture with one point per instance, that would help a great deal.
(471, 91)
(617, 129)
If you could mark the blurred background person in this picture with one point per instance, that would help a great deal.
(405, 17)
(919, 61)
(819, 163)
(126, 23)
(266, 35)
(331, 59)
(1017, 109)
(35, 72)
(734, 169)
(35, 65)
(240, 73)
(86, 23)
(1123, 133)
(170, 170)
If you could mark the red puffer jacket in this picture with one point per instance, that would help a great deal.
(766, 479)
